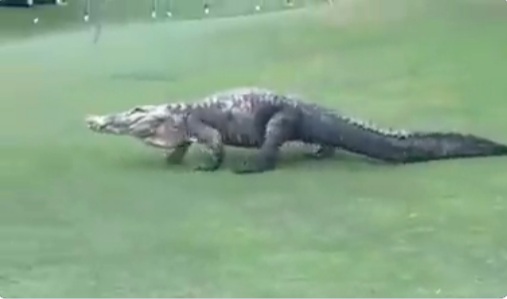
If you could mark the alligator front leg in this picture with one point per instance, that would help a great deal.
(177, 154)
(215, 157)
(211, 140)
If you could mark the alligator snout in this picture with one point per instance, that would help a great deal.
(95, 122)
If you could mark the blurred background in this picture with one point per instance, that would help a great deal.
(16, 19)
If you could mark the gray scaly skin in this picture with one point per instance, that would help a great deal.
(263, 119)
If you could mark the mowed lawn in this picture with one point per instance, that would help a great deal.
(85, 215)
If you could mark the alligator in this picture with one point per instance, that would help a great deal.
(263, 119)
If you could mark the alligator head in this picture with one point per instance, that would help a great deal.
(155, 125)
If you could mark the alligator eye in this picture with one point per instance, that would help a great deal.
(136, 110)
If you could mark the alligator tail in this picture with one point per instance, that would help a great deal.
(401, 146)
(422, 147)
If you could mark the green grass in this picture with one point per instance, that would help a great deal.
(83, 215)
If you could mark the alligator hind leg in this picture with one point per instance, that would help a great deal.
(279, 129)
